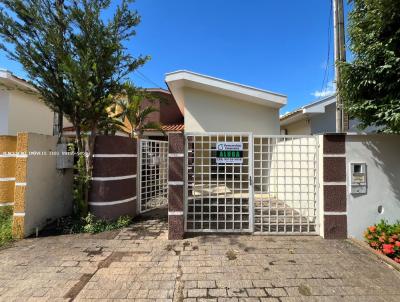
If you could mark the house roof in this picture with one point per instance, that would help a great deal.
(170, 128)
(177, 80)
(305, 111)
(9, 81)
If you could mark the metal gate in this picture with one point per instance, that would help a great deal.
(153, 174)
(285, 184)
(221, 197)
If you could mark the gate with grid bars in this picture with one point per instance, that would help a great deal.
(274, 189)
(219, 196)
(153, 174)
(285, 184)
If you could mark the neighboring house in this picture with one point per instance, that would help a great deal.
(215, 105)
(200, 103)
(21, 109)
(168, 115)
(316, 118)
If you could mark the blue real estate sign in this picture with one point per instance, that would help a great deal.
(230, 153)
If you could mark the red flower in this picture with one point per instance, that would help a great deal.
(395, 236)
(372, 229)
(373, 244)
(388, 249)
(397, 243)
(391, 240)
(382, 239)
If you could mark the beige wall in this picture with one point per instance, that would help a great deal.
(26, 112)
(48, 191)
(209, 112)
(298, 128)
(42, 193)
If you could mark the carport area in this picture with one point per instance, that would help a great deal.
(140, 264)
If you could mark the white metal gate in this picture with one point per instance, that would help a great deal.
(219, 196)
(222, 197)
(285, 184)
(153, 174)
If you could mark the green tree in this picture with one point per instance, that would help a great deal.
(135, 113)
(75, 58)
(370, 84)
(36, 36)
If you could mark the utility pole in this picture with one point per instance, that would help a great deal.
(340, 56)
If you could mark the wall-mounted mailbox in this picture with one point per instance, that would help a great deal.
(358, 178)
(65, 159)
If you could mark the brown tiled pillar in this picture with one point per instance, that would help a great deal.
(176, 185)
(113, 186)
(334, 186)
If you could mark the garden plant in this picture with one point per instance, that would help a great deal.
(385, 238)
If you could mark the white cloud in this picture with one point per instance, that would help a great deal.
(328, 90)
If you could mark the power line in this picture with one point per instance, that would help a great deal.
(324, 85)
(147, 79)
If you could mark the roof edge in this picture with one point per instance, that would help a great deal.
(222, 80)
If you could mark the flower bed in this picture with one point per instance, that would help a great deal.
(385, 238)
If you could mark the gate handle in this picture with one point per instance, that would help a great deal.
(250, 180)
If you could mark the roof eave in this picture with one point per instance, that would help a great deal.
(180, 79)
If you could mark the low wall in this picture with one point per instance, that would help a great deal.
(42, 193)
(381, 154)
(113, 185)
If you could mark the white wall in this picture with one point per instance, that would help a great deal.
(324, 122)
(27, 113)
(4, 104)
(209, 112)
(48, 190)
(301, 127)
(381, 154)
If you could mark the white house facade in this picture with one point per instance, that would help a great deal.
(21, 109)
(215, 105)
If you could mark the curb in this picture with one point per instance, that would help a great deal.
(382, 257)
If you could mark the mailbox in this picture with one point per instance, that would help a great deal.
(65, 159)
(358, 178)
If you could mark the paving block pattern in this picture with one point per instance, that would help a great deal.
(139, 263)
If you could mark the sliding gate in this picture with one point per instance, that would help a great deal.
(237, 182)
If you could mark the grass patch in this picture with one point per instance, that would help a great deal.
(6, 216)
(90, 224)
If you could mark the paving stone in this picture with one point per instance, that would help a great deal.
(217, 292)
(256, 292)
(276, 292)
(194, 293)
(138, 263)
(237, 292)
(206, 284)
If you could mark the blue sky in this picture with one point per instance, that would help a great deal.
(280, 46)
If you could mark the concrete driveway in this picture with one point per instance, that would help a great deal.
(139, 263)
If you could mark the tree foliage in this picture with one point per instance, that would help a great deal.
(74, 56)
(370, 84)
(135, 113)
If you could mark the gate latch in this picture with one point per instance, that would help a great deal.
(251, 181)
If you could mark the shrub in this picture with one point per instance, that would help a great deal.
(90, 224)
(6, 215)
(95, 225)
(385, 238)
